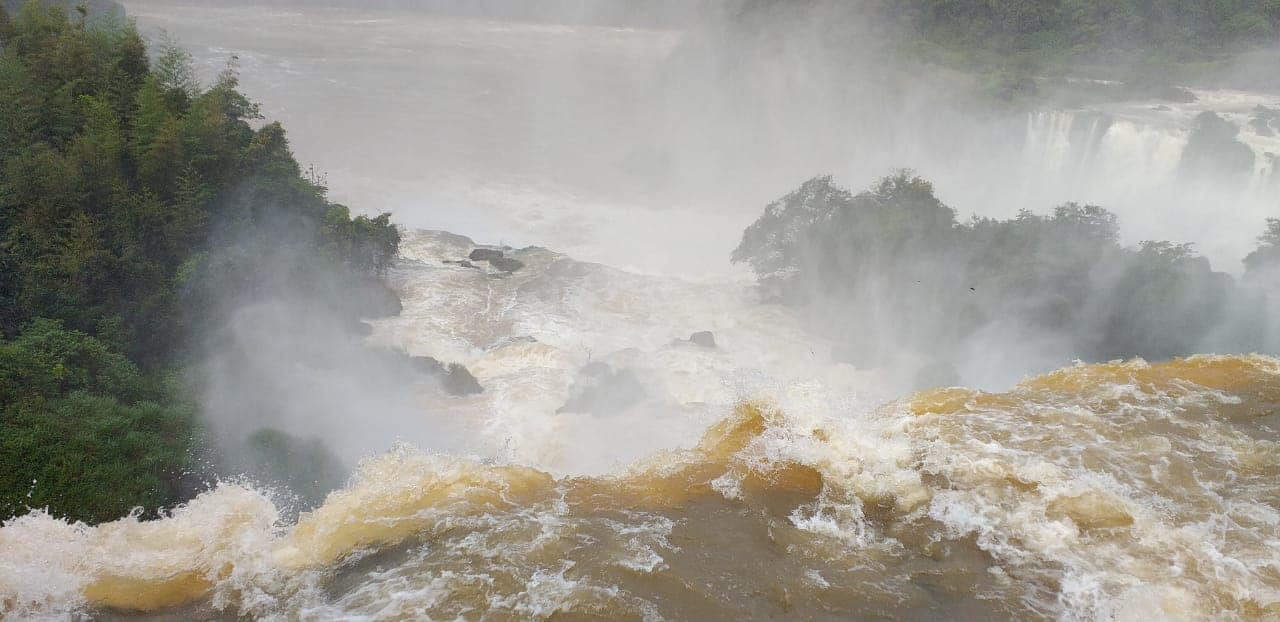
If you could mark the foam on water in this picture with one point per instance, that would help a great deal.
(1112, 491)
(526, 336)
(756, 479)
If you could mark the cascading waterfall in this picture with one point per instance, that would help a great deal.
(1130, 158)
(1130, 150)
(1138, 154)
(1070, 146)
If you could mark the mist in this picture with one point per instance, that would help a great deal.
(639, 309)
(488, 121)
(606, 130)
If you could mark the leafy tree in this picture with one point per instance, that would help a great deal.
(81, 431)
(1263, 264)
(137, 210)
(891, 274)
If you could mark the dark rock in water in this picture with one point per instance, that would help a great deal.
(366, 298)
(361, 300)
(485, 254)
(455, 378)
(460, 381)
(602, 390)
(1214, 148)
(704, 338)
(506, 264)
(496, 259)
(510, 340)
(1265, 121)
(463, 263)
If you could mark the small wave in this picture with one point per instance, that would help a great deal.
(1097, 491)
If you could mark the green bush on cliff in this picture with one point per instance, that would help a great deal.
(137, 208)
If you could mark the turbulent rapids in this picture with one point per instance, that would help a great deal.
(692, 408)
(1119, 490)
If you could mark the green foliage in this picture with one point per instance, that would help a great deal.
(82, 431)
(304, 467)
(1011, 32)
(137, 208)
(115, 176)
(1263, 264)
(46, 361)
(175, 76)
(891, 270)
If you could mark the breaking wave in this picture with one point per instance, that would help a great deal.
(1107, 491)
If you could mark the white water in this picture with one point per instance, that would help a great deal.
(1141, 142)
(1114, 497)
(526, 336)
(1126, 157)
(589, 139)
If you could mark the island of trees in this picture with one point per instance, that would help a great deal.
(892, 274)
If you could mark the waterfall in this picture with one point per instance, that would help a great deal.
(1132, 155)
(1066, 146)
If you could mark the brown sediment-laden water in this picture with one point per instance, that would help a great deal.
(1114, 491)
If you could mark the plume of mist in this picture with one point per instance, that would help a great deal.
(891, 275)
(608, 129)
(290, 390)
(592, 126)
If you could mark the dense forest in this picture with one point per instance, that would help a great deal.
(137, 209)
(891, 273)
(1019, 50)
(1160, 30)
(93, 9)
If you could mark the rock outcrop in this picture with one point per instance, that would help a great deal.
(703, 338)
(496, 258)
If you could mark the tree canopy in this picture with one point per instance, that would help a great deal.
(1039, 30)
(891, 272)
(137, 208)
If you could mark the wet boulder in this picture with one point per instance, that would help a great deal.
(485, 254)
(454, 378)
(497, 259)
(1215, 148)
(603, 391)
(703, 338)
(506, 264)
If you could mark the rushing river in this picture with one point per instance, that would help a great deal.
(754, 478)
(1117, 491)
